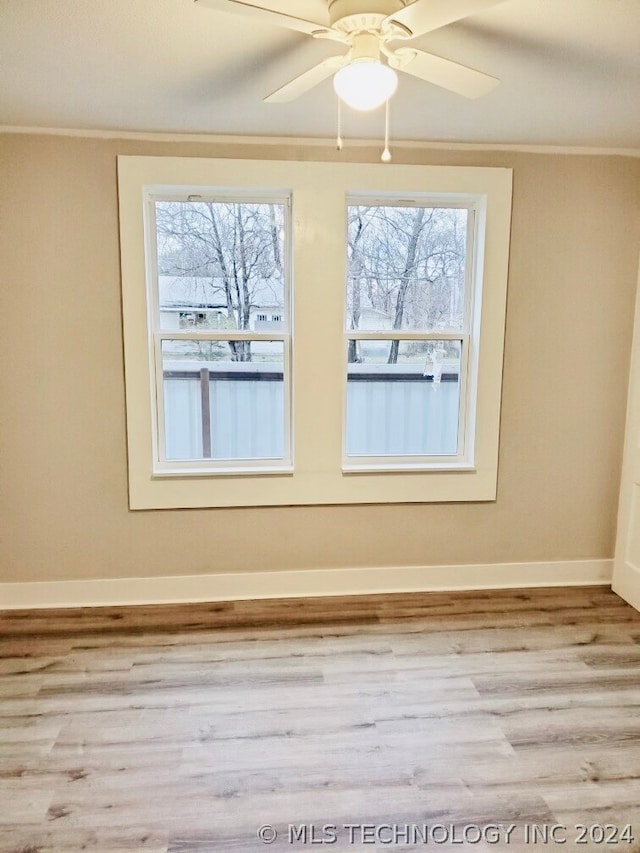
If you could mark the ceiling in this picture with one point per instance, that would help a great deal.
(570, 72)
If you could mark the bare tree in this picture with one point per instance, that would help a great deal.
(406, 277)
(406, 263)
(234, 247)
(409, 265)
(355, 274)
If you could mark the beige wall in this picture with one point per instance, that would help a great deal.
(574, 259)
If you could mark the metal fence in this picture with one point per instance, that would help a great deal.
(214, 412)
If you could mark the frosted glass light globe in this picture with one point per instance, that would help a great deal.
(365, 84)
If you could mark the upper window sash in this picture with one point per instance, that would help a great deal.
(474, 205)
(154, 195)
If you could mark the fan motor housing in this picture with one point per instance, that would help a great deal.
(353, 15)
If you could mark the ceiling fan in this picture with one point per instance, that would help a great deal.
(365, 77)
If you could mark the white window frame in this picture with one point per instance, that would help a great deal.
(162, 466)
(468, 337)
(318, 194)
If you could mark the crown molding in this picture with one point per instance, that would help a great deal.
(325, 142)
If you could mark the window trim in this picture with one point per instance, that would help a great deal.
(318, 192)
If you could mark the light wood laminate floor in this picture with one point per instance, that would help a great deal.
(183, 729)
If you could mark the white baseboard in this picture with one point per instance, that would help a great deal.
(298, 584)
(626, 583)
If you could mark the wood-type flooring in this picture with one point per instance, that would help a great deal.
(441, 721)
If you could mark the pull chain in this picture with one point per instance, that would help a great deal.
(339, 142)
(386, 154)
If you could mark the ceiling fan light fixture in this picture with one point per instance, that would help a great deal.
(365, 84)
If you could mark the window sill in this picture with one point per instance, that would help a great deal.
(409, 467)
(239, 471)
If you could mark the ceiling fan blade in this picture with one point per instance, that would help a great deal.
(445, 73)
(423, 16)
(304, 82)
(268, 16)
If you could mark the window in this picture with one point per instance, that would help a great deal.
(407, 274)
(222, 387)
(390, 391)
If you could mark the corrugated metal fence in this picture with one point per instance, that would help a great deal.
(390, 410)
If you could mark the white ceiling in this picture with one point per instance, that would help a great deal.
(570, 72)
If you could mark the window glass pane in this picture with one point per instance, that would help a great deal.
(403, 398)
(406, 268)
(239, 387)
(220, 265)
